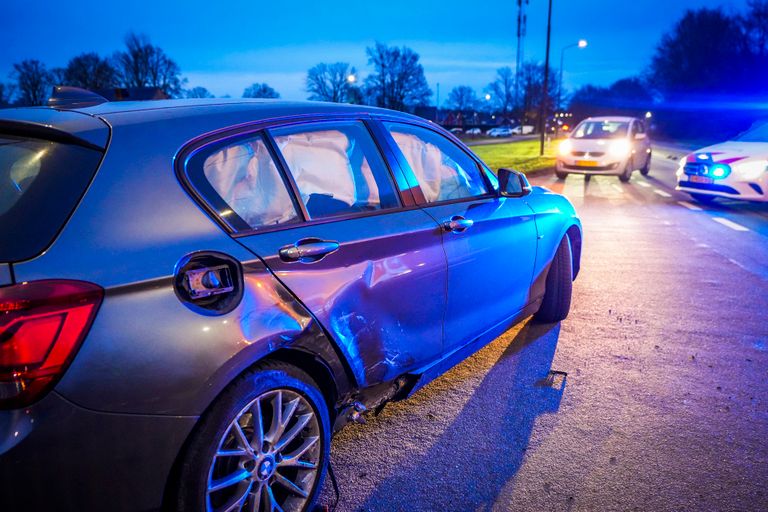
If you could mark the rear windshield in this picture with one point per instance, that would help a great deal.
(40, 184)
(601, 130)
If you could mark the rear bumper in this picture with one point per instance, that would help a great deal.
(55, 455)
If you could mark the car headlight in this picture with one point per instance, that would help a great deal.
(681, 167)
(565, 147)
(750, 170)
(620, 148)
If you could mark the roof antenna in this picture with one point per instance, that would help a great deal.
(64, 96)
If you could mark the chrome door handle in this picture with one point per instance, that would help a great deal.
(308, 250)
(457, 224)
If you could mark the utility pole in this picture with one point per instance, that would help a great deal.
(522, 21)
(545, 91)
(437, 105)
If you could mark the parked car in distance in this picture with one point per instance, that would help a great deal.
(195, 294)
(474, 131)
(457, 131)
(612, 146)
(735, 169)
(523, 129)
(500, 131)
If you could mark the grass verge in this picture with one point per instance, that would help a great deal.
(521, 155)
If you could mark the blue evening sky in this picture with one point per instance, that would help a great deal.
(225, 46)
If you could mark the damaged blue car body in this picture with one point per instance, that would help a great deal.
(219, 285)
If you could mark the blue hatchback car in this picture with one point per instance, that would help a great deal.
(195, 294)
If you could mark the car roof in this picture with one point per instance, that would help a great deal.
(262, 108)
(619, 119)
(219, 113)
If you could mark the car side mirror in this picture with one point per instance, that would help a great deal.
(640, 136)
(513, 183)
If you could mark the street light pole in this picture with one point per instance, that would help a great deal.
(581, 44)
(543, 102)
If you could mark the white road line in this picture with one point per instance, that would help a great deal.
(690, 206)
(730, 224)
(617, 188)
(643, 184)
(738, 264)
(661, 193)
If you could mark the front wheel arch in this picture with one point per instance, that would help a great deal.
(574, 235)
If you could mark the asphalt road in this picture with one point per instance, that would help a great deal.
(665, 403)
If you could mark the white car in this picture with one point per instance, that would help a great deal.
(613, 146)
(500, 131)
(737, 169)
(522, 129)
(474, 131)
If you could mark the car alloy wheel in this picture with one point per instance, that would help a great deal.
(268, 458)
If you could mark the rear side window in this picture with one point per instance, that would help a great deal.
(41, 182)
(246, 178)
(444, 171)
(337, 168)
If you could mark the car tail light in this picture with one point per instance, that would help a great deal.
(42, 324)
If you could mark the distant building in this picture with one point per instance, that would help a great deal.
(133, 93)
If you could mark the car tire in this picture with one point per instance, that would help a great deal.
(558, 287)
(645, 169)
(703, 198)
(628, 169)
(561, 175)
(300, 445)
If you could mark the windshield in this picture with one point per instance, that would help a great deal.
(757, 133)
(601, 130)
(40, 184)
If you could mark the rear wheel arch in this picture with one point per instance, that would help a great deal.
(319, 375)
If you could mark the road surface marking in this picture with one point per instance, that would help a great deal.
(690, 206)
(738, 264)
(643, 184)
(661, 193)
(617, 188)
(730, 224)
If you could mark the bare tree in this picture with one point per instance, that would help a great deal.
(398, 80)
(198, 92)
(145, 65)
(331, 82)
(89, 71)
(260, 91)
(502, 90)
(532, 89)
(462, 98)
(756, 26)
(33, 81)
(7, 92)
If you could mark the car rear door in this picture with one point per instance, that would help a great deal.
(318, 204)
(490, 241)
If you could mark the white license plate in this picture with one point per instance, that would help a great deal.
(701, 179)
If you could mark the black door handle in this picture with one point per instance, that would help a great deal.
(308, 250)
(458, 224)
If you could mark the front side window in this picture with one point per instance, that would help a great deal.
(443, 170)
(337, 168)
(246, 178)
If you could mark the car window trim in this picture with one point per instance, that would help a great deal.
(220, 138)
(421, 201)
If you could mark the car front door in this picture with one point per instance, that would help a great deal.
(321, 209)
(490, 241)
